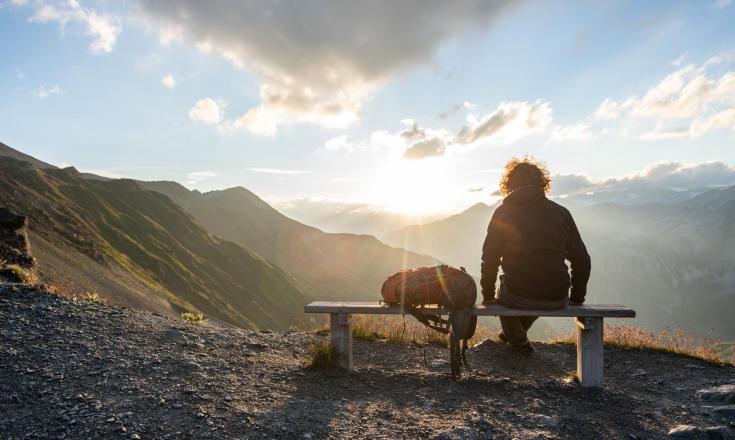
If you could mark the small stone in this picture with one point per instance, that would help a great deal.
(135, 436)
(687, 432)
(308, 435)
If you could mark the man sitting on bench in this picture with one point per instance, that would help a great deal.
(531, 237)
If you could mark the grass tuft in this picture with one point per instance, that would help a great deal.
(195, 317)
(17, 274)
(93, 297)
(322, 355)
(667, 340)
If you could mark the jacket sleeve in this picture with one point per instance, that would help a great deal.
(492, 251)
(581, 264)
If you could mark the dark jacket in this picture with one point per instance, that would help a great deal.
(531, 236)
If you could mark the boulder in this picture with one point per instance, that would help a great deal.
(722, 395)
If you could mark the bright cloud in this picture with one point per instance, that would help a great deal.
(666, 175)
(207, 111)
(44, 92)
(509, 122)
(324, 71)
(103, 28)
(688, 102)
(169, 81)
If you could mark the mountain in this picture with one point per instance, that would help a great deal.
(457, 239)
(138, 248)
(6, 151)
(673, 262)
(339, 266)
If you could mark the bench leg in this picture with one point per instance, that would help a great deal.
(341, 338)
(590, 361)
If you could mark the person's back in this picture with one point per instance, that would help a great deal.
(531, 236)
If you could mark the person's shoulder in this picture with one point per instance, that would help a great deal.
(559, 207)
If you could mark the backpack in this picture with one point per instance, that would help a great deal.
(447, 287)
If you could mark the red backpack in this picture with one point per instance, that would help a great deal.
(443, 285)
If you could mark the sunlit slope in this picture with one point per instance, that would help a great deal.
(110, 232)
(345, 266)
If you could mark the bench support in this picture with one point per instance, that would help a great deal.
(590, 360)
(341, 338)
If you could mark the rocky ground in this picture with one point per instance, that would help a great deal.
(83, 370)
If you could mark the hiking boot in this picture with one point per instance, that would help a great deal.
(526, 349)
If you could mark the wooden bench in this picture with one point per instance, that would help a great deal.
(589, 320)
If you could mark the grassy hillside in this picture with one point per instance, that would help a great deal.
(345, 266)
(151, 252)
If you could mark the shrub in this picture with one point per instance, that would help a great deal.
(195, 317)
(322, 355)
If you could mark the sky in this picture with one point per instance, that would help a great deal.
(412, 106)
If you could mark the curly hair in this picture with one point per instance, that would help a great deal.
(522, 172)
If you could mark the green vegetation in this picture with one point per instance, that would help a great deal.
(195, 317)
(17, 274)
(677, 342)
(322, 355)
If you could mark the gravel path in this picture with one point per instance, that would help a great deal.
(82, 370)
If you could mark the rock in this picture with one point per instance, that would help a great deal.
(727, 411)
(544, 420)
(687, 432)
(135, 436)
(719, 433)
(724, 394)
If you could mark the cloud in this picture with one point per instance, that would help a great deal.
(675, 175)
(207, 111)
(426, 148)
(666, 175)
(198, 177)
(169, 81)
(278, 171)
(103, 28)
(43, 92)
(723, 119)
(509, 122)
(339, 143)
(457, 109)
(688, 102)
(564, 133)
(570, 183)
(318, 61)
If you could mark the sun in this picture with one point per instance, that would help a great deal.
(414, 187)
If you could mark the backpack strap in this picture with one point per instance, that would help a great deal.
(434, 322)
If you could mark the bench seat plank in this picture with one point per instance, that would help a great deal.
(376, 308)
